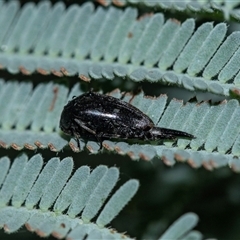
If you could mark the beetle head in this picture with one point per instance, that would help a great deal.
(66, 121)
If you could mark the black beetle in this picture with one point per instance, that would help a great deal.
(96, 116)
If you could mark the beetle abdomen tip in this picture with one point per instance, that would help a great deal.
(167, 133)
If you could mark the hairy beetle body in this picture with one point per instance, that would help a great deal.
(96, 116)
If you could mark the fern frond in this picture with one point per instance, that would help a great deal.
(181, 227)
(226, 8)
(149, 48)
(216, 127)
(48, 200)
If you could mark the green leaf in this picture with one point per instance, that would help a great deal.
(226, 8)
(208, 48)
(181, 226)
(105, 43)
(26, 184)
(115, 204)
(216, 127)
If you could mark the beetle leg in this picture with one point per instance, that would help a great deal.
(100, 145)
(78, 143)
(83, 125)
(97, 136)
(123, 95)
(99, 139)
(77, 139)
